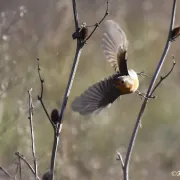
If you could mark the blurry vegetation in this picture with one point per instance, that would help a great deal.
(87, 149)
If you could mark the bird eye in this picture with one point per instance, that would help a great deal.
(122, 81)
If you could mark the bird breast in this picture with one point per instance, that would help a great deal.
(127, 84)
(135, 80)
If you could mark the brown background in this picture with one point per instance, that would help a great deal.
(88, 145)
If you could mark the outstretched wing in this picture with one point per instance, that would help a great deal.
(115, 46)
(96, 97)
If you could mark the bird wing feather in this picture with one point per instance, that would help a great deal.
(115, 46)
(96, 97)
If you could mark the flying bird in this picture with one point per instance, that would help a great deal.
(123, 81)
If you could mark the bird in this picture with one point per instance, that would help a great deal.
(123, 81)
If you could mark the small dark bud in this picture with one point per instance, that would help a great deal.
(38, 97)
(175, 33)
(75, 35)
(81, 32)
(55, 116)
(47, 176)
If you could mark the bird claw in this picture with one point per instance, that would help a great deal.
(143, 95)
(142, 74)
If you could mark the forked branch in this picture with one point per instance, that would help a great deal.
(40, 97)
(162, 78)
(98, 23)
(148, 94)
(80, 44)
(32, 133)
(25, 161)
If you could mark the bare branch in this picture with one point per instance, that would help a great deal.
(20, 168)
(119, 158)
(163, 78)
(7, 173)
(79, 47)
(157, 71)
(32, 133)
(40, 98)
(97, 24)
(25, 161)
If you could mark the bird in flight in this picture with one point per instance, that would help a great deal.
(123, 81)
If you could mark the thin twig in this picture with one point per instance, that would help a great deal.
(25, 161)
(142, 74)
(40, 98)
(97, 24)
(20, 168)
(138, 121)
(32, 132)
(17, 168)
(163, 78)
(7, 173)
(143, 95)
(120, 158)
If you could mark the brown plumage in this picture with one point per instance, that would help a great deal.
(124, 81)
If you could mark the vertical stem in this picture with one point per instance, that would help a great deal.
(157, 71)
(66, 95)
(32, 133)
(67, 92)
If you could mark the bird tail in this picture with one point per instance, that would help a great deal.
(96, 97)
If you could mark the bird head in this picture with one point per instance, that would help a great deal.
(127, 84)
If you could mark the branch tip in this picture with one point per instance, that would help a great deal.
(40, 97)
(98, 23)
(120, 158)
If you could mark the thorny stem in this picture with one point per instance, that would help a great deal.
(138, 121)
(32, 133)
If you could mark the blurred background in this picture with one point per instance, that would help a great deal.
(88, 145)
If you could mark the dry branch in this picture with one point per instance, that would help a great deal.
(25, 161)
(32, 133)
(7, 173)
(40, 97)
(80, 44)
(148, 94)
